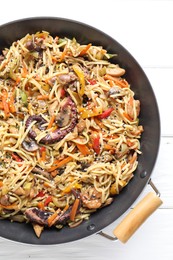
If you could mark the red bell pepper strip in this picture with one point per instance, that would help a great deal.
(48, 200)
(106, 113)
(96, 144)
(40, 194)
(16, 157)
(92, 81)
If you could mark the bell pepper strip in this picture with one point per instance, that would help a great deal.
(60, 163)
(48, 200)
(106, 113)
(88, 112)
(83, 148)
(16, 158)
(74, 209)
(118, 81)
(96, 142)
(5, 103)
(40, 194)
(92, 81)
(84, 51)
(43, 154)
(79, 72)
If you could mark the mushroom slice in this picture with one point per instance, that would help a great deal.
(30, 145)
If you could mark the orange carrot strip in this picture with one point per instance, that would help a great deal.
(60, 163)
(83, 52)
(12, 206)
(1, 105)
(63, 54)
(52, 119)
(127, 117)
(133, 159)
(11, 104)
(42, 97)
(99, 123)
(24, 72)
(51, 218)
(118, 81)
(83, 149)
(108, 147)
(40, 205)
(1, 184)
(74, 209)
(66, 208)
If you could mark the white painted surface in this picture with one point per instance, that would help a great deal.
(145, 29)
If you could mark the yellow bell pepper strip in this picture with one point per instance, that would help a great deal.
(106, 113)
(79, 72)
(89, 112)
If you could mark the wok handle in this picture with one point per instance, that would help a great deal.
(137, 216)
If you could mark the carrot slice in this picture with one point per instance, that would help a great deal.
(83, 149)
(74, 209)
(84, 51)
(52, 119)
(42, 97)
(118, 81)
(59, 163)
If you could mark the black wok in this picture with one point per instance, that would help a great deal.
(149, 118)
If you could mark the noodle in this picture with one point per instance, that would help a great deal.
(69, 130)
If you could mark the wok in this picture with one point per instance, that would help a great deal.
(149, 118)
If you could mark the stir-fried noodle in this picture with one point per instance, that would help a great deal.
(69, 131)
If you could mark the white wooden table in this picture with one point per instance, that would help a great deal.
(145, 29)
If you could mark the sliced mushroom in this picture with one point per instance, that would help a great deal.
(40, 171)
(30, 145)
(63, 118)
(53, 107)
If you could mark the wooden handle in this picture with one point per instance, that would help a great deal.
(137, 216)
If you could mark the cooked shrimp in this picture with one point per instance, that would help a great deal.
(91, 198)
(133, 108)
